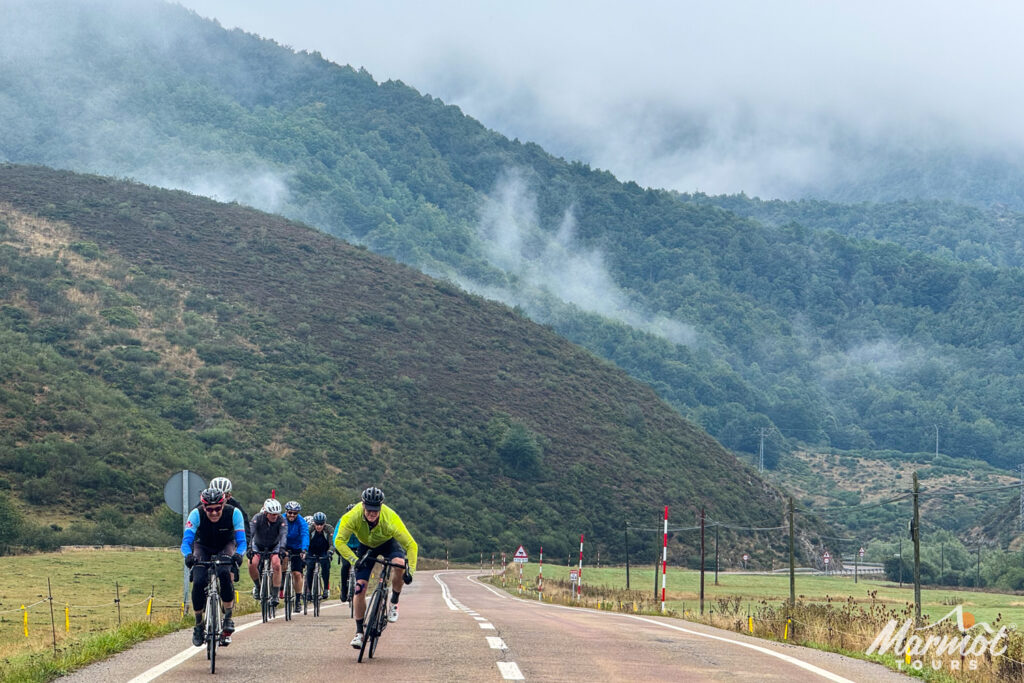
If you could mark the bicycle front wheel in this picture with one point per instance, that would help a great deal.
(288, 597)
(317, 589)
(265, 596)
(212, 628)
(380, 619)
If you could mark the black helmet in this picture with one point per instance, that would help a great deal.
(212, 496)
(372, 498)
(319, 518)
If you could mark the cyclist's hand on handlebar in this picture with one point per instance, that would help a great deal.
(237, 559)
(361, 562)
(249, 552)
(407, 577)
(190, 560)
(302, 555)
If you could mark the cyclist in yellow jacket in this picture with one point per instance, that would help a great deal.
(380, 532)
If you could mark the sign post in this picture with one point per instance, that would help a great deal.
(826, 558)
(856, 563)
(746, 558)
(179, 492)
(520, 558)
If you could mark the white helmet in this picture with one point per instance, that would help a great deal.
(221, 484)
(272, 506)
(309, 520)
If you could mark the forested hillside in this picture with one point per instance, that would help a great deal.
(746, 327)
(146, 330)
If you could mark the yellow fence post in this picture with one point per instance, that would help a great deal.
(26, 619)
(149, 606)
(67, 618)
(750, 624)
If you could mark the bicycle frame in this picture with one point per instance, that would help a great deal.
(213, 605)
(375, 619)
(315, 583)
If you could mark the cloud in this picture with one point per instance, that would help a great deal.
(721, 97)
(552, 261)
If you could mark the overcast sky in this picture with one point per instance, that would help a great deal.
(712, 96)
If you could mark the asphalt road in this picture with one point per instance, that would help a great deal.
(453, 628)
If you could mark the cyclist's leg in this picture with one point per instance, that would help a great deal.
(393, 551)
(275, 570)
(325, 574)
(308, 583)
(254, 567)
(362, 578)
(200, 575)
(346, 567)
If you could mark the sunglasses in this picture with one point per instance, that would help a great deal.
(291, 514)
(215, 510)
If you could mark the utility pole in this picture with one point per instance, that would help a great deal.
(716, 553)
(901, 560)
(792, 561)
(936, 440)
(627, 554)
(942, 562)
(760, 467)
(1020, 523)
(702, 560)
(917, 554)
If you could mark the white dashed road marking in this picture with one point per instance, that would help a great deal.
(496, 643)
(510, 671)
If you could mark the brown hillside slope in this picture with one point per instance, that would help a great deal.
(431, 370)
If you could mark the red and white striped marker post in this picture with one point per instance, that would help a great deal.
(664, 559)
(540, 574)
(579, 585)
(503, 570)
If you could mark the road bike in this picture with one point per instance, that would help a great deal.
(376, 617)
(289, 584)
(266, 595)
(214, 615)
(314, 582)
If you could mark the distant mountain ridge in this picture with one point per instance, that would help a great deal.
(792, 328)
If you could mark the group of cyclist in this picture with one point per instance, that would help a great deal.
(219, 526)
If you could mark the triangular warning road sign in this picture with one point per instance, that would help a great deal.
(521, 552)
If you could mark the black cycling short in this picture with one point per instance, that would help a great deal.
(298, 564)
(389, 549)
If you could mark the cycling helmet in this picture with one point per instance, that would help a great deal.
(309, 519)
(212, 496)
(272, 506)
(372, 498)
(319, 518)
(292, 506)
(221, 484)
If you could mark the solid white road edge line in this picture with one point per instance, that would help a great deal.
(786, 658)
(185, 655)
(445, 593)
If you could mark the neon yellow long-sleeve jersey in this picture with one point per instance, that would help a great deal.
(389, 526)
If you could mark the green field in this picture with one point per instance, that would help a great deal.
(87, 583)
(682, 588)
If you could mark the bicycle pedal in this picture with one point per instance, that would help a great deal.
(225, 640)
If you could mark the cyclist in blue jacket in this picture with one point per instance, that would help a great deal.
(296, 545)
(214, 528)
